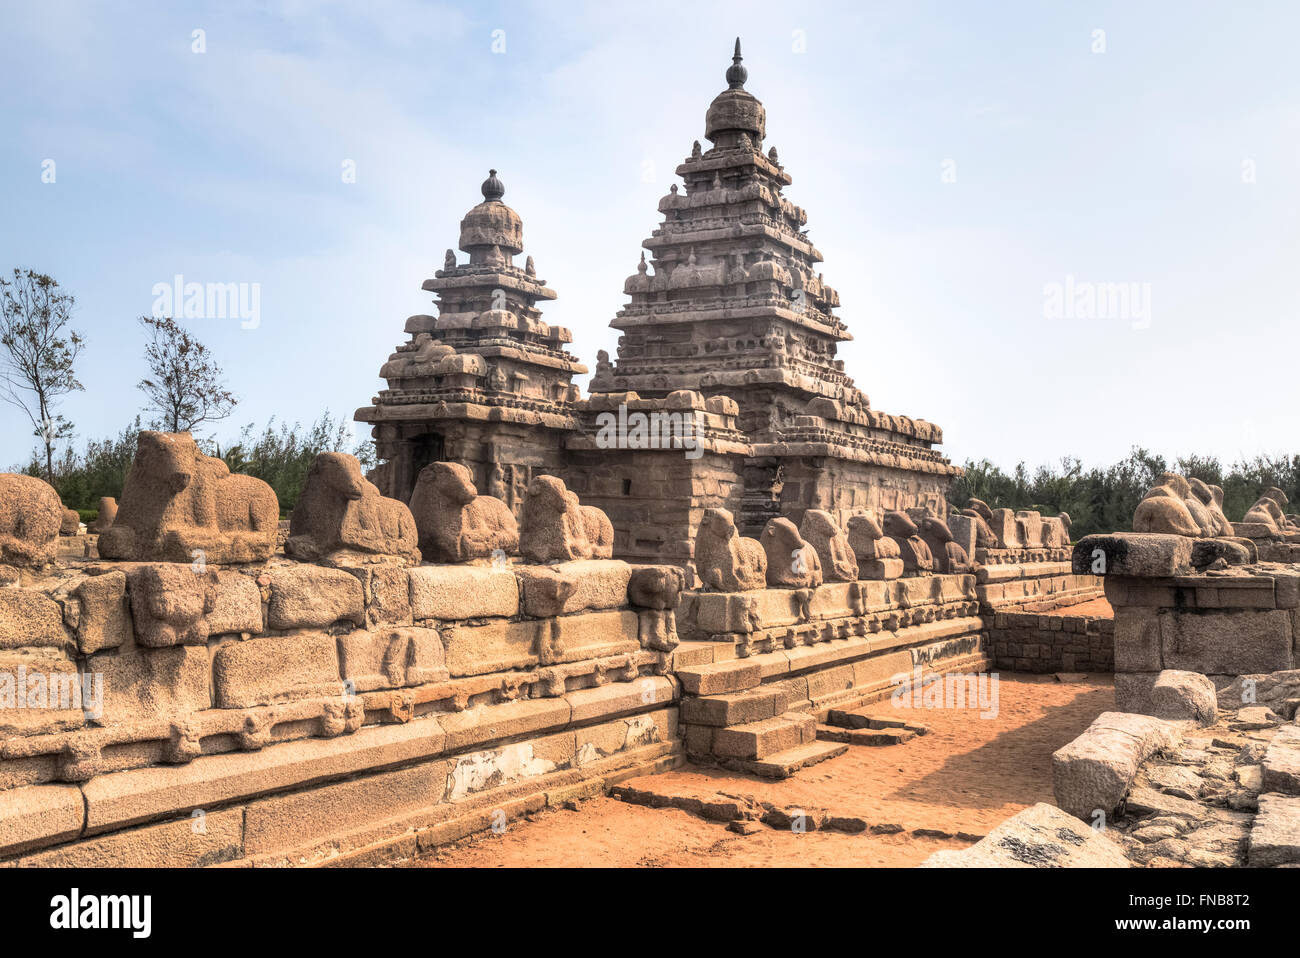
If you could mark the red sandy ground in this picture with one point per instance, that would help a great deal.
(1098, 607)
(967, 775)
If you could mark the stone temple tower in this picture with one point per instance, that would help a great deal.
(485, 383)
(735, 306)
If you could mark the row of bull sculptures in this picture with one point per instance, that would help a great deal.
(1189, 507)
(179, 505)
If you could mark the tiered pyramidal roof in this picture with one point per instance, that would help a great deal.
(735, 303)
(487, 346)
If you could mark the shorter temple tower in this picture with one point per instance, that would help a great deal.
(485, 383)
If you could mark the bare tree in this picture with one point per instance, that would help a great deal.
(40, 352)
(185, 385)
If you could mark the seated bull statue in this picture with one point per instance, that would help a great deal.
(878, 555)
(724, 560)
(455, 523)
(555, 527)
(340, 515)
(1211, 498)
(820, 530)
(917, 558)
(948, 556)
(1267, 510)
(179, 505)
(791, 561)
(1178, 506)
(979, 511)
(31, 514)
(1166, 509)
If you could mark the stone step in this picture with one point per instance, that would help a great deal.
(755, 740)
(693, 653)
(855, 719)
(864, 736)
(785, 763)
(734, 676)
(735, 708)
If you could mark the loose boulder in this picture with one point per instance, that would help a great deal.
(1184, 696)
(1092, 774)
(1041, 836)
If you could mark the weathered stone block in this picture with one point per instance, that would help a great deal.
(880, 568)
(449, 592)
(285, 822)
(1275, 834)
(568, 587)
(152, 683)
(1133, 691)
(1141, 555)
(275, 669)
(42, 691)
(1094, 772)
(1180, 696)
(194, 841)
(312, 597)
(736, 708)
(99, 613)
(170, 603)
(1281, 765)
(1235, 643)
(733, 676)
(762, 738)
(39, 815)
(29, 618)
(1137, 640)
(1042, 836)
(238, 607)
(498, 646)
(388, 595)
(391, 658)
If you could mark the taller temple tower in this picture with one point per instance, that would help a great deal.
(735, 306)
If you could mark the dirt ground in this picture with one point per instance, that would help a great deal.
(1098, 606)
(945, 789)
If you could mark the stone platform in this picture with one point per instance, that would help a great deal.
(289, 713)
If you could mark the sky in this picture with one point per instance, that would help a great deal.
(975, 175)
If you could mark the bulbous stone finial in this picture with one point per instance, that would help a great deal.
(736, 74)
(493, 188)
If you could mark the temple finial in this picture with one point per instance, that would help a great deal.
(736, 73)
(493, 189)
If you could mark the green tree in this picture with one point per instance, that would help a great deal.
(185, 386)
(40, 351)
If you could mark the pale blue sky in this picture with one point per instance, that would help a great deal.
(1114, 167)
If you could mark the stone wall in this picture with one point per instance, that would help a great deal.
(1052, 641)
(287, 712)
(1025, 598)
